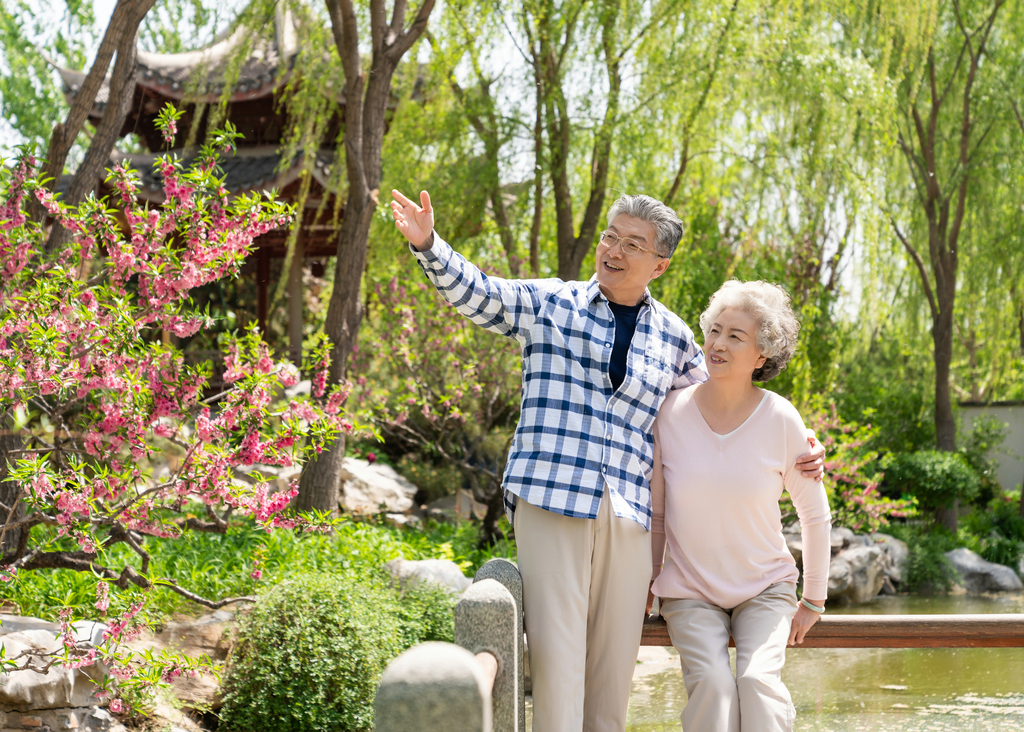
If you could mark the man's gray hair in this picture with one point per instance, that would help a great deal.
(778, 327)
(668, 229)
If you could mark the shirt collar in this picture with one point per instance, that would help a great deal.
(594, 293)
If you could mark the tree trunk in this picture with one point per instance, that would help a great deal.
(489, 534)
(10, 495)
(945, 423)
(367, 96)
(124, 23)
(97, 158)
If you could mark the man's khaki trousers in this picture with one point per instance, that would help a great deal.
(584, 590)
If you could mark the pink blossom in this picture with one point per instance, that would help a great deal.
(102, 596)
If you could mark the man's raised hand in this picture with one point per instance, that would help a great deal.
(415, 222)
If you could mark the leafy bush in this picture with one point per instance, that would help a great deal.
(1002, 550)
(851, 474)
(927, 569)
(441, 392)
(996, 533)
(934, 477)
(986, 436)
(310, 653)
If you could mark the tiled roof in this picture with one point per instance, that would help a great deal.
(250, 169)
(176, 74)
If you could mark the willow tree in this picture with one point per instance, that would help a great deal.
(367, 90)
(946, 126)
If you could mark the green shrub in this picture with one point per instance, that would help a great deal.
(927, 569)
(936, 478)
(310, 653)
(1002, 550)
(985, 438)
(997, 533)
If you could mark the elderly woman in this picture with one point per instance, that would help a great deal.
(724, 450)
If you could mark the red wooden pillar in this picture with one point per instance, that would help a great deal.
(262, 287)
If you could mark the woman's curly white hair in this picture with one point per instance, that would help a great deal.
(770, 305)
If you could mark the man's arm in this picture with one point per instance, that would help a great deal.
(505, 307)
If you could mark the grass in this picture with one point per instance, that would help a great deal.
(217, 566)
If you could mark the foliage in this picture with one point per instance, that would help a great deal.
(114, 441)
(997, 532)
(851, 475)
(309, 654)
(439, 388)
(886, 382)
(985, 438)
(935, 477)
(220, 565)
(928, 569)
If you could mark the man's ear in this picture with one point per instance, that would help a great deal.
(660, 269)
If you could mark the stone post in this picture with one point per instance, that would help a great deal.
(433, 687)
(485, 620)
(507, 573)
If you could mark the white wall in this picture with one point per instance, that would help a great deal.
(1011, 467)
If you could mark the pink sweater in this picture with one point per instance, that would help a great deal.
(716, 499)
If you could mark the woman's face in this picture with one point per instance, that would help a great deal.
(730, 347)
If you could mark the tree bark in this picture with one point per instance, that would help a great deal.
(122, 92)
(124, 23)
(10, 495)
(367, 94)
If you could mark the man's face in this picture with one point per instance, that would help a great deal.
(622, 277)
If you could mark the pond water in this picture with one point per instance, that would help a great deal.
(872, 689)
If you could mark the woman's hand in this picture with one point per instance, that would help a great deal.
(650, 598)
(803, 621)
(415, 222)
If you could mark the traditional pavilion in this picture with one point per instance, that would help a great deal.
(195, 83)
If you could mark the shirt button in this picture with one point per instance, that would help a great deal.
(607, 345)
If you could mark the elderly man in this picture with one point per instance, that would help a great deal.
(599, 357)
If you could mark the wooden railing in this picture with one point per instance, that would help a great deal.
(476, 684)
(893, 631)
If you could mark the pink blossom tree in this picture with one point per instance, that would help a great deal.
(90, 396)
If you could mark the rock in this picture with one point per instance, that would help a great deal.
(978, 576)
(443, 572)
(459, 506)
(840, 539)
(367, 487)
(857, 574)
(208, 635)
(839, 574)
(165, 717)
(27, 691)
(1020, 567)
(898, 554)
(795, 544)
(404, 519)
(860, 540)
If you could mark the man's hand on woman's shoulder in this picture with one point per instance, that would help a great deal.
(812, 465)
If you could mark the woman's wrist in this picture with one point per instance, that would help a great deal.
(817, 606)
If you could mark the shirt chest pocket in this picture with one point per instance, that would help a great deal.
(658, 372)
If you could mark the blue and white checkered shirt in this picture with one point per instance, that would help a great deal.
(575, 433)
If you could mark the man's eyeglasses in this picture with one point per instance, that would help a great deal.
(629, 246)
